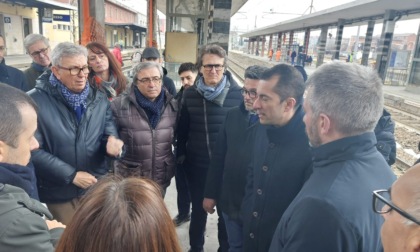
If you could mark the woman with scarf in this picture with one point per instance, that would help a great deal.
(105, 73)
(146, 117)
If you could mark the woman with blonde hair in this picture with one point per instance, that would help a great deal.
(126, 215)
(105, 73)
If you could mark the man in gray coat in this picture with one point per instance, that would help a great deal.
(22, 223)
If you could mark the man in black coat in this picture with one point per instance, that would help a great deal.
(76, 131)
(203, 112)
(23, 227)
(10, 75)
(226, 177)
(333, 211)
(281, 159)
(187, 73)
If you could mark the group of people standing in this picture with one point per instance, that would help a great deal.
(289, 165)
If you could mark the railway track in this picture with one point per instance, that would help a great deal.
(401, 117)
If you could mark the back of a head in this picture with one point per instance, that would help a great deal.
(350, 94)
(187, 66)
(121, 215)
(66, 49)
(11, 99)
(255, 72)
(289, 84)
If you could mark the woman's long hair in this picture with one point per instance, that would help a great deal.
(114, 67)
(117, 214)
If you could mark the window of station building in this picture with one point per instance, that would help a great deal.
(60, 26)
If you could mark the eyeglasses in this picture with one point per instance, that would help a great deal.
(209, 67)
(155, 80)
(382, 204)
(38, 53)
(2, 49)
(76, 70)
(252, 94)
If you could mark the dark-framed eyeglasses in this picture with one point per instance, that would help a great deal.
(155, 80)
(42, 51)
(252, 93)
(382, 204)
(76, 70)
(210, 67)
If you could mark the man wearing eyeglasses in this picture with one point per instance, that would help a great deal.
(152, 54)
(226, 177)
(38, 47)
(146, 118)
(75, 131)
(399, 206)
(333, 211)
(10, 75)
(203, 112)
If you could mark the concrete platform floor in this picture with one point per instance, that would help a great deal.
(211, 242)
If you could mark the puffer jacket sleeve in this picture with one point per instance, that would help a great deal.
(182, 130)
(50, 167)
(384, 132)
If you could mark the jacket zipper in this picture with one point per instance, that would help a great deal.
(206, 128)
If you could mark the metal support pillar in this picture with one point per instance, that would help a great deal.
(262, 46)
(291, 36)
(368, 43)
(219, 22)
(249, 45)
(258, 45)
(414, 75)
(339, 37)
(92, 21)
(279, 38)
(253, 47)
(321, 46)
(385, 43)
(40, 23)
(306, 41)
(151, 23)
(270, 42)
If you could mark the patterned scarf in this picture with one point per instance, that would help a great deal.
(76, 101)
(153, 109)
(211, 93)
(107, 86)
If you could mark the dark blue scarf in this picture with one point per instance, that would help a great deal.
(20, 176)
(153, 109)
(38, 67)
(76, 101)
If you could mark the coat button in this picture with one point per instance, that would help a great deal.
(251, 235)
(255, 214)
(259, 191)
(265, 168)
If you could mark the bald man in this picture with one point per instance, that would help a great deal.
(401, 229)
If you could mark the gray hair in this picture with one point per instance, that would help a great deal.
(255, 72)
(212, 49)
(349, 94)
(32, 39)
(146, 65)
(66, 49)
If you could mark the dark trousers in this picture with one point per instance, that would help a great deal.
(183, 198)
(196, 182)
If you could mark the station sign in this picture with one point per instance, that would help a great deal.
(47, 18)
(61, 18)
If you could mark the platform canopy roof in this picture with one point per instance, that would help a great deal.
(43, 4)
(355, 13)
(236, 5)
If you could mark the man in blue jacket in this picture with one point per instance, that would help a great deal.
(10, 75)
(333, 211)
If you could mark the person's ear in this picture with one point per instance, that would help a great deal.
(290, 104)
(3, 151)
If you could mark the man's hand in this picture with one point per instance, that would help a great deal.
(54, 224)
(114, 146)
(84, 179)
(208, 205)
